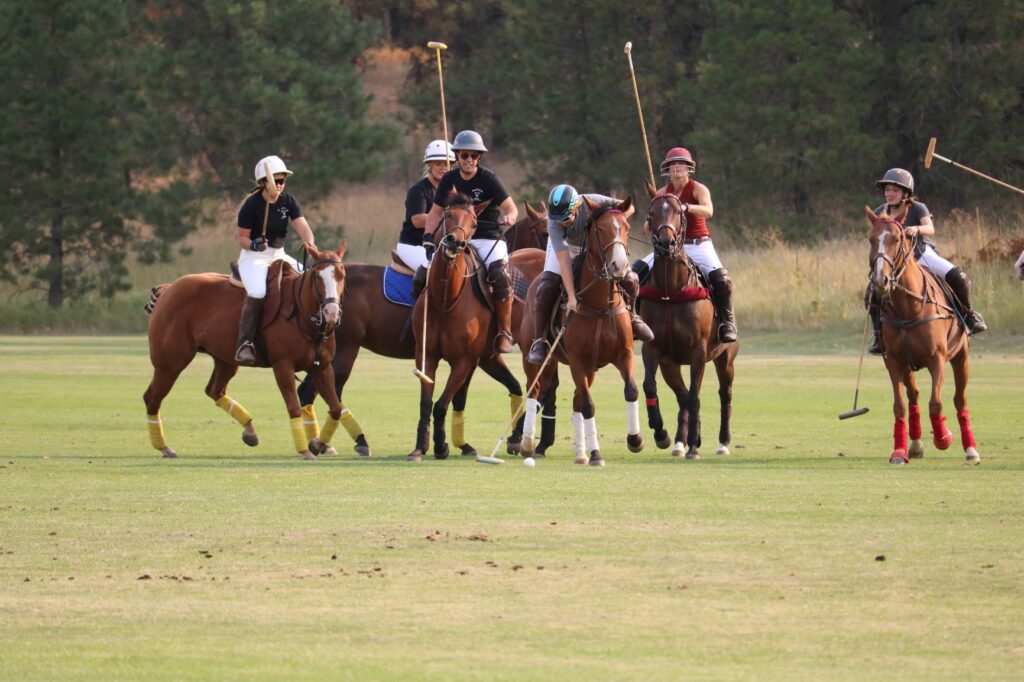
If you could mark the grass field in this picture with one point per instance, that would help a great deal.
(802, 555)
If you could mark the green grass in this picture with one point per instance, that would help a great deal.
(760, 565)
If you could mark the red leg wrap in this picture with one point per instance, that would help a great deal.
(915, 422)
(899, 434)
(966, 437)
(651, 402)
(941, 435)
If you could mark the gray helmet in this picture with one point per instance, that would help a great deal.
(469, 140)
(898, 177)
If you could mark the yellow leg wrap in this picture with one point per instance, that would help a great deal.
(299, 435)
(517, 402)
(156, 431)
(234, 410)
(309, 422)
(458, 428)
(330, 426)
(351, 424)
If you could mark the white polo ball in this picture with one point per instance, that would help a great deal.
(529, 462)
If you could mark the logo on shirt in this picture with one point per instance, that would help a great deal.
(477, 194)
(283, 212)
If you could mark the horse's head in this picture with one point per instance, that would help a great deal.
(891, 250)
(458, 225)
(606, 239)
(530, 231)
(329, 283)
(665, 223)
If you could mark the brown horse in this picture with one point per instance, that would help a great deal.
(459, 325)
(920, 328)
(530, 232)
(599, 333)
(200, 313)
(384, 327)
(683, 319)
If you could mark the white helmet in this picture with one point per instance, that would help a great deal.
(276, 166)
(435, 152)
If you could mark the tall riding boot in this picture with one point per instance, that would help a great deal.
(501, 287)
(876, 348)
(957, 280)
(548, 290)
(643, 273)
(251, 310)
(630, 285)
(419, 280)
(721, 289)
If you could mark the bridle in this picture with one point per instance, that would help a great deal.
(602, 249)
(322, 329)
(897, 264)
(671, 247)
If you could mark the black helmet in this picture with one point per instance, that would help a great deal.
(562, 201)
(898, 177)
(469, 140)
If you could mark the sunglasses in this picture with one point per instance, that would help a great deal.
(279, 181)
(469, 155)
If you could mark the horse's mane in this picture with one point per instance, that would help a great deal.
(460, 200)
(603, 210)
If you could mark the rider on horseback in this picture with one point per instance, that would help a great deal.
(567, 226)
(697, 209)
(437, 159)
(898, 188)
(481, 185)
(263, 221)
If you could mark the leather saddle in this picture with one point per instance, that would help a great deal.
(273, 304)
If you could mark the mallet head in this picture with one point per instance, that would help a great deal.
(853, 413)
(929, 154)
(628, 48)
(422, 376)
(434, 45)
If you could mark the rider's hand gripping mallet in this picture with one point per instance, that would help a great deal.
(930, 154)
(860, 363)
(643, 130)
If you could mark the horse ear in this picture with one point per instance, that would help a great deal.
(481, 207)
(871, 214)
(341, 248)
(311, 250)
(651, 189)
(626, 204)
(590, 204)
(530, 211)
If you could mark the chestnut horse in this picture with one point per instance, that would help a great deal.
(599, 333)
(200, 313)
(459, 326)
(530, 232)
(682, 317)
(373, 322)
(920, 328)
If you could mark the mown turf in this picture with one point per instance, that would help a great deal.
(801, 555)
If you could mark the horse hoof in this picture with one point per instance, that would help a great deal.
(596, 460)
(308, 456)
(635, 442)
(169, 454)
(942, 442)
(363, 450)
(662, 439)
(316, 446)
(539, 454)
(414, 456)
(441, 452)
(899, 457)
(916, 449)
(581, 458)
(513, 448)
(467, 450)
(250, 439)
(526, 447)
(692, 454)
(329, 450)
(723, 449)
(971, 456)
(679, 450)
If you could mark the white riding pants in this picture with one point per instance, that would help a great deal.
(934, 262)
(490, 250)
(253, 267)
(551, 259)
(702, 254)
(413, 255)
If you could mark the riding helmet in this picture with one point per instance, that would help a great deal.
(677, 154)
(898, 177)
(435, 151)
(562, 202)
(276, 166)
(469, 140)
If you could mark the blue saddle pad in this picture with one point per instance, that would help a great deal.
(398, 287)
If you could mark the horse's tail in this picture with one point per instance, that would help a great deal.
(154, 295)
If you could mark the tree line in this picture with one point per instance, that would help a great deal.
(125, 121)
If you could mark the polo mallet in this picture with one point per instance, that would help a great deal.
(856, 391)
(930, 154)
(421, 372)
(643, 130)
(522, 406)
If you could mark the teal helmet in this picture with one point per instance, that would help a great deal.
(562, 202)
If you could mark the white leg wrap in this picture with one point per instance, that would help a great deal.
(530, 419)
(577, 430)
(590, 425)
(633, 418)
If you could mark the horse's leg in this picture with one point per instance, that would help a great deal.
(899, 412)
(547, 425)
(960, 375)
(583, 378)
(327, 388)
(649, 354)
(459, 418)
(697, 364)
(342, 363)
(916, 448)
(216, 388)
(579, 437)
(284, 373)
(426, 403)
(942, 437)
(726, 372)
(163, 379)
(672, 373)
(497, 369)
(634, 439)
(542, 388)
(461, 371)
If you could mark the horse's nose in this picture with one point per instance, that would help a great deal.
(332, 313)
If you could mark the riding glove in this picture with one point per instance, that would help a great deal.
(258, 244)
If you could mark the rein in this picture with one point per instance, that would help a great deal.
(321, 329)
(675, 252)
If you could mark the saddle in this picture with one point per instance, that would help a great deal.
(273, 304)
(482, 288)
(399, 265)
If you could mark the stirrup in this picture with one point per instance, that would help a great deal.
(975, 323)
(641, 332)
(538, 351)
(727, 333)
(246, 353)
(498, 347)
(875, 347)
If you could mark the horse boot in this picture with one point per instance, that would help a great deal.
(630, 285)
(721, 289)
(250, 318)
(643, 272)
(419, 280)
(874, 308)
(548, 290)
(501, 287)
(957, 280)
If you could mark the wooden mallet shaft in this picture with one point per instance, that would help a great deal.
(930, 154)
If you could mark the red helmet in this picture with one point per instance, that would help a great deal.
(677, 154)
